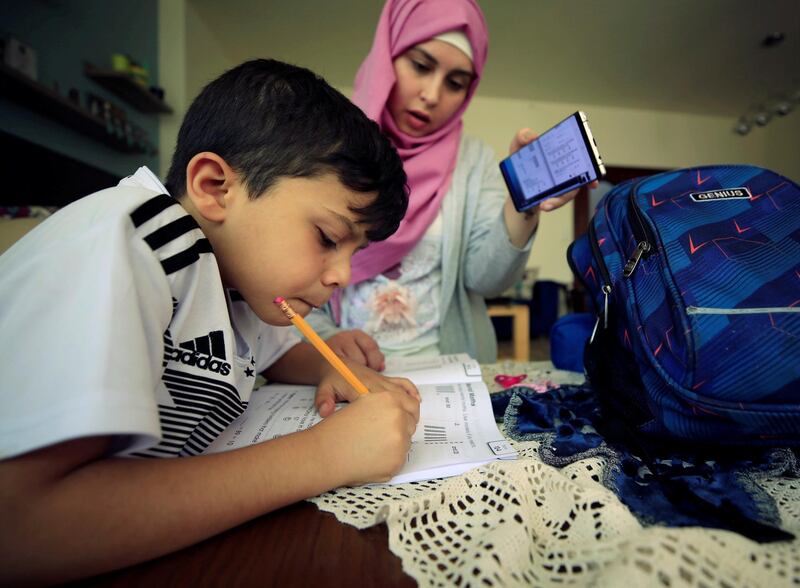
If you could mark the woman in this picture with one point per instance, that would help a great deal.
(422, 291)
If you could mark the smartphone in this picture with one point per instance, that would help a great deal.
(561, 159)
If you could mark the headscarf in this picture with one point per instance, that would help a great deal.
(428, 161)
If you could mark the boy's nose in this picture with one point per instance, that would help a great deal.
(337, 274)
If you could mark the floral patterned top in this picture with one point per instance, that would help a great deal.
(400, 309)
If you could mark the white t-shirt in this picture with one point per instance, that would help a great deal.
(114, 321)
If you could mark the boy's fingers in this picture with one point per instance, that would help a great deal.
(412, 408)
(325, 402)
(410, 389)
(412, 424)
(353, 352)
(404, 385)
(372, 354)
(344, 345)
(409, 401)
(326, 408)
(358, 347)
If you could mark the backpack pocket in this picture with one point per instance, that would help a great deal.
(747, 355)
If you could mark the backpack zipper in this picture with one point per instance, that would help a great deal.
(767, 310)
(642, 247)
(606, 278)
(642, 234)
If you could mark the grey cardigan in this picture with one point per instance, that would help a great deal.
(478, 259)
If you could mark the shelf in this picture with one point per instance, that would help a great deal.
(126, 88)
(41, 99)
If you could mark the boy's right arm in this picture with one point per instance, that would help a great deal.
(359, 347)
(68, 511)
(353, 344)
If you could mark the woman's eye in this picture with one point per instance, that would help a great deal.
(326, 241)
(419, 66)
(456, 85)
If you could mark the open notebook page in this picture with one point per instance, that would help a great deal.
(437, 369)
(456, 430)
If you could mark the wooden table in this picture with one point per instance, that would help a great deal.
(295, 546)
(520, 317)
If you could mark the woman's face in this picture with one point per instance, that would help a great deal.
(432, 83)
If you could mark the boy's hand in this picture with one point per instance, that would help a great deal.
(359, 347)
(368, 440)
(334, 388)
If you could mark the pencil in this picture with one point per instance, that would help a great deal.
(320, 345)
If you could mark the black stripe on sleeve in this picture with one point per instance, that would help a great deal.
(186, 258)
(236, 296)
(170, 232)
(203, 345)
(151, 208)
(216, 341)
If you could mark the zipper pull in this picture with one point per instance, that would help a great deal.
(594, 330)
(606, 292)
(642, 248)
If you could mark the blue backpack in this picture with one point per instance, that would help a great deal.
(695, 279)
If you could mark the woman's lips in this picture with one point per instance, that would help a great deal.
(417, 120)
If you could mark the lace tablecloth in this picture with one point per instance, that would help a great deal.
(524, 523)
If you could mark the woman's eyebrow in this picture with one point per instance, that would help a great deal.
(434, 61)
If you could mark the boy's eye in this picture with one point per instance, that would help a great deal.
(326, 241)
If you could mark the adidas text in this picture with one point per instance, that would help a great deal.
(204, 362)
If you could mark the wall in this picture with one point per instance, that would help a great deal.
(65, 33)
(190, 57)
(632, 138)
(172, 61)
(626, 137)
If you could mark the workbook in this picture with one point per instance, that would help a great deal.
(456, 430)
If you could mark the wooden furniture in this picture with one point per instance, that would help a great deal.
(43, 100)
(66, 179)
(126, 88)
(520, 317)
(295, 546)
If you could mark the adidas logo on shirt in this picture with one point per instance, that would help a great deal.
(206, 352)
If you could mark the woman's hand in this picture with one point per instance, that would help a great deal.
(359, 347)
(522, 138)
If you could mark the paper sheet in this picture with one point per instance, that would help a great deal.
(438, 369)
(456, 430)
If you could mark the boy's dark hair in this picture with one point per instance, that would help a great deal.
(270, 120)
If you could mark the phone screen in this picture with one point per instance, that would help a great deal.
(561, 159)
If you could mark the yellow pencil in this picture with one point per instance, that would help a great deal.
(321, 346)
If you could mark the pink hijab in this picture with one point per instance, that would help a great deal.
(428, 161)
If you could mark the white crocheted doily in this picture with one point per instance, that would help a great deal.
(524, 523)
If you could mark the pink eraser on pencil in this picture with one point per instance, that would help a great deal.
(279, 300)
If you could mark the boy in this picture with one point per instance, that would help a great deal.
(134, 325)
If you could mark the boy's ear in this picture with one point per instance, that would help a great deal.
(209, 183)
